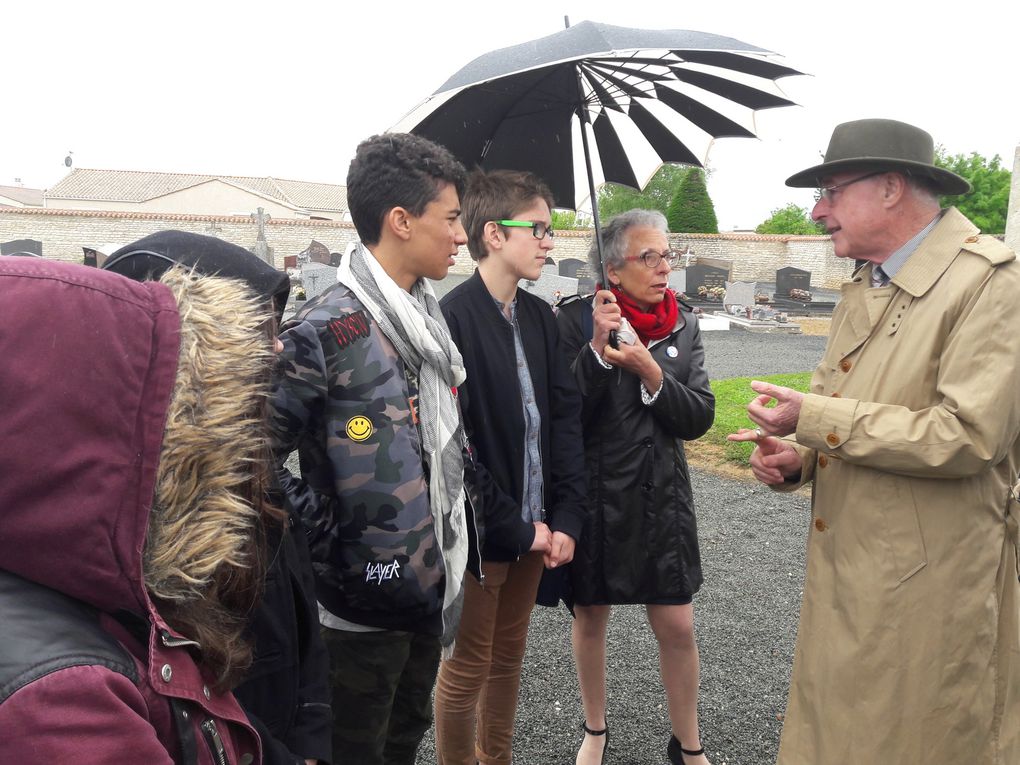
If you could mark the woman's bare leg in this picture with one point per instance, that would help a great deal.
(680, 669)
(589, 639)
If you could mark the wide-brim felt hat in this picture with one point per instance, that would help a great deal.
(148, 258)
(876, 144)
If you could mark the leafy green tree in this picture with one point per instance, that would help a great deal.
(568, 219)
(791, 219)
(691, 210)
(987, 204)
(615, 199)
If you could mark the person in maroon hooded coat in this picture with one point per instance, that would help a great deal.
(131, 477)
(285, 692)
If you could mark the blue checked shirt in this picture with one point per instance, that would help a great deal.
(531, 509)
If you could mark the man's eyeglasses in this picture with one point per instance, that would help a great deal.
(828, 192)
(652, 258)
(538, 230)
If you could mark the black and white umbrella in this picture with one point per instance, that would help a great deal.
(639, 97)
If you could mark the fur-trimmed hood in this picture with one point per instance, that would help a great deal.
(117, 398)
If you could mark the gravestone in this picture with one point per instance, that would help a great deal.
(703, 275)
(96, 256)
(578, 269)
(21, 247)
(791, 278)
(316, 252)
(739, 294)
(317, 278)
(678, 281)
(725, 265)
(574, 268)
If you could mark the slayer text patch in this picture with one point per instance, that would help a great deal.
(349, 327)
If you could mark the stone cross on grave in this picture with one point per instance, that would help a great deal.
(262, 249)
(312, 282)
(687, 257)
(260, 218)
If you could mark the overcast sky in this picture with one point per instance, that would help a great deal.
(288, 89)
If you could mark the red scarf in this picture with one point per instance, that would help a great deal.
(649, 325)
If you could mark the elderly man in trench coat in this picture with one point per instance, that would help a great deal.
(909, 646)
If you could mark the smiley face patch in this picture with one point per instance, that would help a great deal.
(359, 428)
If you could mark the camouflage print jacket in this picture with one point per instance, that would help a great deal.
(345, 403)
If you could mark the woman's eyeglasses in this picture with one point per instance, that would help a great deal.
(652, 258)
(538, 230)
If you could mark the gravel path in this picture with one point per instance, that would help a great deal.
(752, 547)
(738, 353)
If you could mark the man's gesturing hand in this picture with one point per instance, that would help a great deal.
(778, 420)
(773, 460)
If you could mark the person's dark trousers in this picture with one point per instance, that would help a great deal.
(382, 694)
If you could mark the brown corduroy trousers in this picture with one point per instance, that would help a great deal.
(476, 692)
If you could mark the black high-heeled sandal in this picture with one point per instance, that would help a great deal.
(675, 751)
(603, 732)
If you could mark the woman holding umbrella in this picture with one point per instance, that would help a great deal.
(641, 401)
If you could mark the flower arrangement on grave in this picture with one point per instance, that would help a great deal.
(761, 297)
(802, 295)
(711, 293)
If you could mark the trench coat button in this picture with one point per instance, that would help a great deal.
(820, 524)
(247, 759)
(822, 460)
(845, 365)
(971, 239)
(832, 439)
(647, 443)
(166, 673)
(837, 394)
(648, 486)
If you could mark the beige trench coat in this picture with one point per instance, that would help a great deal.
(908, 651)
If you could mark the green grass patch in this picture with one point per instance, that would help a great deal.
(731, 399)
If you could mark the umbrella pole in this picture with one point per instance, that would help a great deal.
(581, 111)
(591, 192)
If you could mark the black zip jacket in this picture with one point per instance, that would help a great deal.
(494, 414)
(286, 692)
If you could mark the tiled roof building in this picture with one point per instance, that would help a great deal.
(195, 194)
(19, 196)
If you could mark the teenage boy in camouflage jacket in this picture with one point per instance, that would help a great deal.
(368, 398)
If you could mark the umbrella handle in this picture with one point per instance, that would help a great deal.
(614, 340)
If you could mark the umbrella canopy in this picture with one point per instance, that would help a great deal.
(646, 97)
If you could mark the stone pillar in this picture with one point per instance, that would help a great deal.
(1013, 211)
